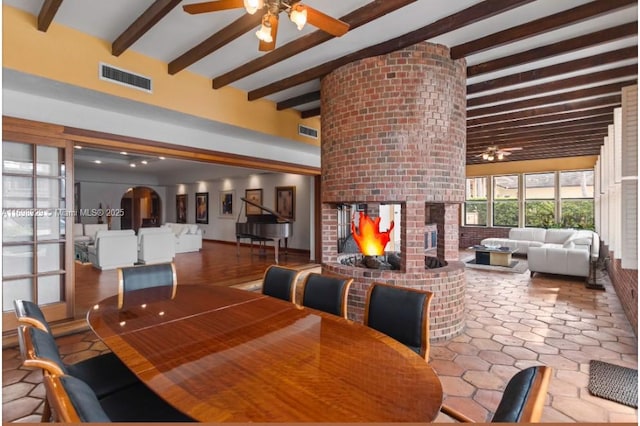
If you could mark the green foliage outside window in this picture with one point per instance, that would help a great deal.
(476, 212)
(505, 213)
(578, 214)
(540, 213)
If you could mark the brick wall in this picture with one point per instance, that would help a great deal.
(394, 131)
(625, 283)
(471, 235)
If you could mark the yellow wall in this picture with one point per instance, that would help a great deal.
(69, 56)
(548, 165)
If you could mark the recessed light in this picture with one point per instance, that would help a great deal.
(132, 165)
(97, 161)
(144, 161)
(77, 147)
(123, 152)
(162, 158)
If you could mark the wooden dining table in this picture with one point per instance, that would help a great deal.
(220, 354)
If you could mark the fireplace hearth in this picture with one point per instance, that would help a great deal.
(388, 262)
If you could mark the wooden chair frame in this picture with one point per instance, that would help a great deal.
(533, 407)
(25, 319)
(294, 284)
(424, 344)
(345, 290)
(121, 282)
(59, 400)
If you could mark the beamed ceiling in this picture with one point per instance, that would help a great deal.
(544, 75)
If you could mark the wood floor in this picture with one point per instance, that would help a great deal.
(216, 264)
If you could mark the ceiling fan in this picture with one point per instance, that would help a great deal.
(493, 153)
(298, 13)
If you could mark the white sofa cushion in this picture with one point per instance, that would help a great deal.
(114, 249)
(91, 229)
(527, 234)
(558, 236)
(156, 245)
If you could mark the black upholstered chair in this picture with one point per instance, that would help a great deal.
(30, 314)
(522, 400)
(74, 401)
(159, 281)
(401, 313)
(326, 293)
(280, 282)
(104, 373)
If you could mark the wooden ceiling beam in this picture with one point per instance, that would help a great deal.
(221, 38)
(355, 19)
(561, 47)
(313, 112)
(298, 100)
(47, 13)
(554, 70)
(551, 99)
(541, 119)
(612, 101)
(475, 13)
(539, 26)
(571, 130)
(548, 138)
(581, 80)
(154, 13)
(516, 129)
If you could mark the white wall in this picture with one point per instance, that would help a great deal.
(223, 228)
(100, 187)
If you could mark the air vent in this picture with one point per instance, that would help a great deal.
(309, 132)
(126, 78)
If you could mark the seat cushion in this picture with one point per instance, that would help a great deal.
(104, 374)
(139, 404)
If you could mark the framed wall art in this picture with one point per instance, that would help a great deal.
(202, 207)
(181, 208)
(286, 201)
(255, 196)
(226, 203)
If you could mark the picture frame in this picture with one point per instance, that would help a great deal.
(181, 208)
(226, 203)
(202, 207)
(286, 201)
(254, 195)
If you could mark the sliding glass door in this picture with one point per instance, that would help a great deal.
(37, 265)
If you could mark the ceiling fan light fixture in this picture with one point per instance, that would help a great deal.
(298, 15)
(264, 33)
(252, 6)
(500, 156)
(490, 157)
(485, 156)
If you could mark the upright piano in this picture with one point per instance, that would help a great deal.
(263, 227)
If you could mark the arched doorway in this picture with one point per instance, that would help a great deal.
(141, 207)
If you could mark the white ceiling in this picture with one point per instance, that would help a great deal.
(177, 32)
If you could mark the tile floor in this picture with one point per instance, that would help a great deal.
(512, 321)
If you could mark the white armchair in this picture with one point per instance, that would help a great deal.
(87, 232)
(188, 236)
(156, 245)
(113, 249)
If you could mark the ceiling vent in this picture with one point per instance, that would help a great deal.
(125, 78)
(309, 132)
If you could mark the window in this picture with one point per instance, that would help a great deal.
(576, 199)
(540, 200)
(505, 200)
(475, 206)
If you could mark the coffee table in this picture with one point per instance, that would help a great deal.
(496, 256)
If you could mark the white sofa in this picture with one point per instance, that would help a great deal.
(156, 245)
(553, 251)
(87, 232)
(188, 236)
(113, 249)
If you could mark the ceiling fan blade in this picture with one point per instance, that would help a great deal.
(511, 149)
(264, 46)
(212, 6)
(326, 23)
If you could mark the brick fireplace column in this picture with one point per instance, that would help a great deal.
(394, 132)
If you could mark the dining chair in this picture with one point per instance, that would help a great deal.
(104, 373)
(522, 400)
(401, 313)
(73, 401)
(160, 277)
(30, 313)
(326, 293)
(280, 282)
